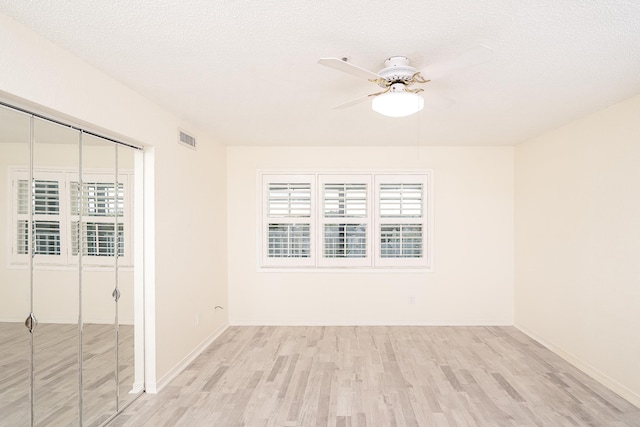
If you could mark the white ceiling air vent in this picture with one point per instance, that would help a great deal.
(187, 139)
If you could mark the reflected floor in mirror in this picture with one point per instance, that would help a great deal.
(379, 376)
(56, 373)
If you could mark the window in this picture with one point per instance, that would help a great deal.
(46, 217)
(401, 220)
(289, 216)
(353, 220)
(61, 229)
(345, 220)
(100, 205)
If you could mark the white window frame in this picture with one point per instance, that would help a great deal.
(65, 259)
(373, 261)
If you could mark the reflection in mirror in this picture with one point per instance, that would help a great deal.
(55, 278)
(127, 389)
(97, 206)
(15, 348)
(68, 261)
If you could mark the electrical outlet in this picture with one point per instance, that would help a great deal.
(412, 299)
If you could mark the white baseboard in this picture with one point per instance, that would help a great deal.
(182, 365)
(137, 388)
(613, 385)
(292, 322)
(367, 323)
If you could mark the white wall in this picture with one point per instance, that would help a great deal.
(578, 244)
(190, 273)
(473, 278)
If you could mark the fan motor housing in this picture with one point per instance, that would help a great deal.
(396, 70)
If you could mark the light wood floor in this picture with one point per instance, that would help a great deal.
(56, 373)
(379, 376)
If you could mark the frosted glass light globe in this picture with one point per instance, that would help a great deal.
(397, 104)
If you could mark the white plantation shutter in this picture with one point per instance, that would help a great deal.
(98, 198)
(46, 228)
(345, 220)
(345, 200)
(55, 198)
(288, 215)
(401, 241)
(289, 200)
(401, 200)
(102, 207)
(289, 241)
(98, 239)
(23, 196)
(402, 220)
(46, 199)
(352, 220)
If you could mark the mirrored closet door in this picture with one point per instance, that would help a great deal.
(68, 312)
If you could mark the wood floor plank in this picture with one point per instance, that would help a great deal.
(380, 377)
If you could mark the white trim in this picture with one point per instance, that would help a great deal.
(138, 272)
(604, 379)
(149, 273)
(186, 361)
(294, 322)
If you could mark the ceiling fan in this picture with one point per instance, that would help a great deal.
(399, 96)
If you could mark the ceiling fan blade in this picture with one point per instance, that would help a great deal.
(352, 102)
(347, 67)
(474, 56)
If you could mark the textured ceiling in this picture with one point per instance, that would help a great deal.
(246, 71)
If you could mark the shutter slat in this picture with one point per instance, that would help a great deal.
(23, 197)
(401, 200)
(46, 200)
(98, 199)
(288, 200)
(345, 200)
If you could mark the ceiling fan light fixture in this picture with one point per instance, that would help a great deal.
(397, 103)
